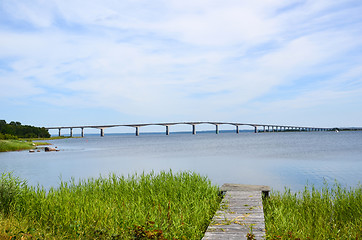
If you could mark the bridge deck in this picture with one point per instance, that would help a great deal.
(266, 127)
(241, 212)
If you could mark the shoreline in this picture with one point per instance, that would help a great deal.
(19, 145)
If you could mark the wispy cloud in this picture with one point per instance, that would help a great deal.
(177, 60)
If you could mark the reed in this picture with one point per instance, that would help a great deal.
(148, 206)
(330, 213)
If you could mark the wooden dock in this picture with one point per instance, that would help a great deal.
(241, 213)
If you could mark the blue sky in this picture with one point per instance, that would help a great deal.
(114, 62)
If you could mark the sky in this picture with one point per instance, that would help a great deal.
(96, 62)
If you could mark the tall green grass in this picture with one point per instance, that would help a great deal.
(330, 213)
(148, 206)
(14, 145)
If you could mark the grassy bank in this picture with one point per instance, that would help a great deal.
(331, 213)
(17, 145)
(162, 206)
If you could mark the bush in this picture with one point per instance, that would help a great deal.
(7, 137)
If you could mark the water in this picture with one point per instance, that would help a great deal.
(275, 159)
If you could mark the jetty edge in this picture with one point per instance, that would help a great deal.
(240, 215)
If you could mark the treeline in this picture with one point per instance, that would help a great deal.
(14, 130)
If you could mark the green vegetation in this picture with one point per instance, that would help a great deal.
(18, 145)
(332, 213)
(11, 132)
(15, 145)
(16, 130)
(147, 206)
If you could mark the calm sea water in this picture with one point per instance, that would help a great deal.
(275, 159)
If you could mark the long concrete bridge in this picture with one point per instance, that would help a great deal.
(257, 127)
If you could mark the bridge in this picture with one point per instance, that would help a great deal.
(257, 127)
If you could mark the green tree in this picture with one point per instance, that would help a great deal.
(22, 131)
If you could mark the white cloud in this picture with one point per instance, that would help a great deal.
(184, 58)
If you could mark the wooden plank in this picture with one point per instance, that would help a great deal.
(240, 213)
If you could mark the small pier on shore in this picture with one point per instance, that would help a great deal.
(240, 213)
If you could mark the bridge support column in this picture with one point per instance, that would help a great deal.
(264, 129)
(167, 130)
(102, 132)
(255, 129)
(193, 129)
(237, 129)
(268, 128)
(59, 131)
(217, 128)
(137, 131)
(82, 134)
(71, 132)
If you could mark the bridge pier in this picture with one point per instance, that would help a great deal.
(193, 129)
(237, 129)
(82, 133)
(255, 129)
(102, 132)
(59, 131)
(137, 131)
(167, 130)
(264, 129)
(217, 128)
(71, 132)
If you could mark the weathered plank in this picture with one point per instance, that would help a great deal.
(240, 213)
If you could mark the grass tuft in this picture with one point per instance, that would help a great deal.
(148, 206)
(329, 213)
